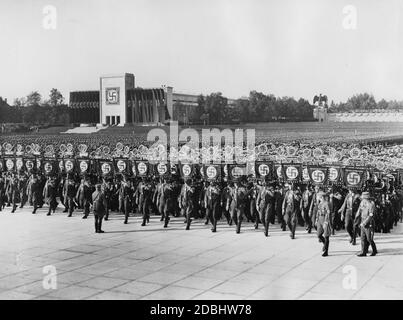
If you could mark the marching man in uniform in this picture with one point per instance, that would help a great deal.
(366, 213)
(49, 194)
(290, 206)
(185, 200)
(265, 206)
(322, 223)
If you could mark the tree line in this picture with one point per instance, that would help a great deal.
(34, 110)
(365, 102)
(258, 107)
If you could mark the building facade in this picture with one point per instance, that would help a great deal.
(120, 102)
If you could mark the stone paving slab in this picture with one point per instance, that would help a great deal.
(134, 262)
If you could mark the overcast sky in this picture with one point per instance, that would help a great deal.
(287, 48)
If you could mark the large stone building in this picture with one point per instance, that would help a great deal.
(120, 102)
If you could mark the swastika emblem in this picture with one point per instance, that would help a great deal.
(69, 165)
(263, 170)
(305, 174)
(121, 165)
(10, 164)
(333, 174)
(112, 96)
(186, 170)
(318, 176)
(353, 178)
(83, 166)
(279, 173)
(142, 168)
(106, 168)
(29, 164)
(291, 172)
(162, 168)
(18, 164)
(48, 167)
(211, 172)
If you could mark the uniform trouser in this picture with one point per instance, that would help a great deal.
(367, 239)
(313, 216)
(23, 198)
(1, 201)
(280, 217)
(213, 213)
(14, 202)
(187, 211)
(124, 206)
(349, 224)
(168, 207)
(69, 203)
(237, 215)
(85, 205)
(307, 218)
(290, 217)
(252, 213)
(35, 202)
(323, 233)
(266, 215)
(52, 204)
(107, 208)
(144, 208)
(98, 221)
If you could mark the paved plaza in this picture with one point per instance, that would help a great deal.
(134, 262)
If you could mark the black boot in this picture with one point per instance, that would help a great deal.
(189, 221)
(166, 222)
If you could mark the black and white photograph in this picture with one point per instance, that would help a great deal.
(223, 150)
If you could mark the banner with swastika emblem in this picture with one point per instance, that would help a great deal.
(318, 175)
(84, 166)
(121, 165)
(212, 171)
(162, 169)
(105, 167)
(49, 166)
(142, 168)
(69, 165)
(186, 170)
(264, 169)
(334, 175)
(291, 172)
(305, 175)
(236, 171)
(353, 177)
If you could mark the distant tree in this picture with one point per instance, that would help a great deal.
(33, 99)
(19, 102)
(55, 98)
(362, 101)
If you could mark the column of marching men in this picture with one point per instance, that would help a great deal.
(325, 209)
